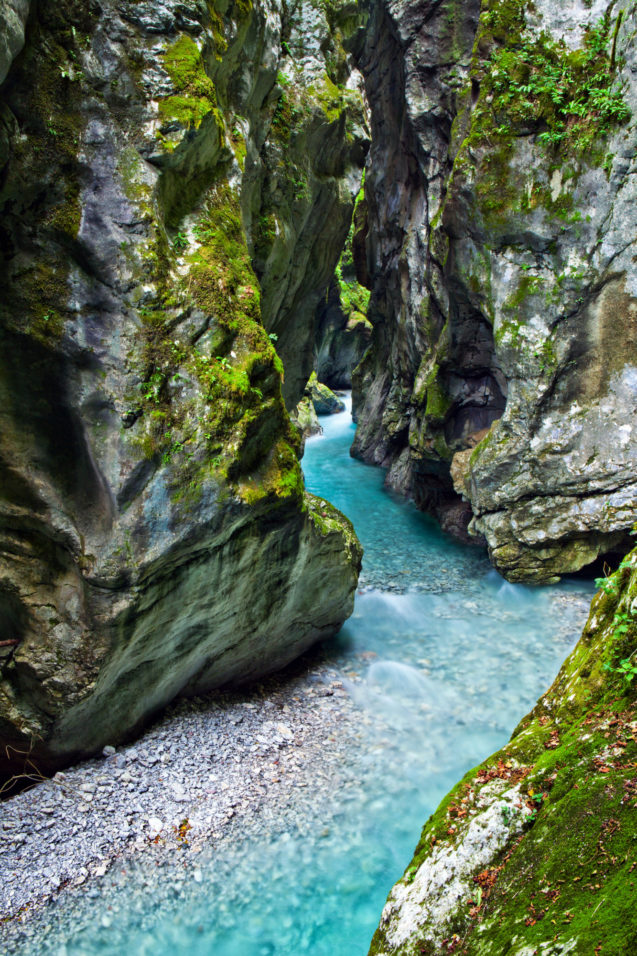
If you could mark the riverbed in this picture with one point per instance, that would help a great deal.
(275, 820)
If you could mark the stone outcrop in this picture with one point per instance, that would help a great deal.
(532, 852)
(500, 247)
(343, 335)
(317, 400)
(323, 399)
(155, 537)
(13, 19)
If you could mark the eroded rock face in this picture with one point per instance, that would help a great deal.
(501, 252)
(509, 860)
(13, 19)
(154, 532)
(343, 335)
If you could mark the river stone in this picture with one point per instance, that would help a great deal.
(323, 399)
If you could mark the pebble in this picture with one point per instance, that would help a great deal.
(220, 763)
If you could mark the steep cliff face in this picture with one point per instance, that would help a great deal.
(501, 251)
(342, 333)
(155, 535)
(533, 851)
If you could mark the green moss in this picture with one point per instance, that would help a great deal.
(131, 171)
(195, 94)
(229, 423)
(328, 520)
(51, 126)
(354, 297)
(527, 286)
(279, 480)
(437, 402)
(530, 84)
(183, 63)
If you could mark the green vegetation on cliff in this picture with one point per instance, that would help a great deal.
(524, 82)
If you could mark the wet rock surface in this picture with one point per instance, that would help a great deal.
(177, 183)
(501, 256)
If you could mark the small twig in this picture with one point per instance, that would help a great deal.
(597, 907)
(31, 772)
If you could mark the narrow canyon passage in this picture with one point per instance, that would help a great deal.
(439, 661)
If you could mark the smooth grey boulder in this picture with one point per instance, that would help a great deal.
(323, 399)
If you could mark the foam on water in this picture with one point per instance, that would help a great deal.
(443, 658)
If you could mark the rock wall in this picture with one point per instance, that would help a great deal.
(342, 332)
(500, 195)
(176, 182)
(533, 851)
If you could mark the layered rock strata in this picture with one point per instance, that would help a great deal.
(501, 247)
(155, 537)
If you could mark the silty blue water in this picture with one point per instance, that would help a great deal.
(442, 657)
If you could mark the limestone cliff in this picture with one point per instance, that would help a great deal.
(501, 252)
(533, 852)
(176, 184)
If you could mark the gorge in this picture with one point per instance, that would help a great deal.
(209, 211)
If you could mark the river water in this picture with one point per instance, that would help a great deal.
(441, 657)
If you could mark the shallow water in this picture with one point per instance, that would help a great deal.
(442, 658)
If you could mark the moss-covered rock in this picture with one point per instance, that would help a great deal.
(305, 418)
(342, 331)
(533, 851)
(155, 533)
(323, 399)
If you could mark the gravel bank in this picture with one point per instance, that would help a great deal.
(263, 756)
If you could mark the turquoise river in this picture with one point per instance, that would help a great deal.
(441, 658)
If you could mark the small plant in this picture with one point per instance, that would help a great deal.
(151, 388)
(180, 241)
(508, 813)
(411, 873)
(625, 668)
(534, 804)
(607, 585)
(571, 95)
(273, 336)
